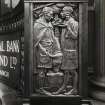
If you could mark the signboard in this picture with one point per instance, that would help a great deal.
(10, 59)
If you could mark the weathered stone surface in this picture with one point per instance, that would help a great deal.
(7, 95)
(98, 80)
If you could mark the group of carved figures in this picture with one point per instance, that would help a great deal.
(56, 51)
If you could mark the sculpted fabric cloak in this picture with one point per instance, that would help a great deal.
(46, 45)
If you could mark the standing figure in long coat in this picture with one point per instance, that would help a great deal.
(46, 45)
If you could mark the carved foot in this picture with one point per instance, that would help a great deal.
(46, 92)
(72, 92)
(59, 91)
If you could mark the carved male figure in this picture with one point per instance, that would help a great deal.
(48, 53)
(69, 39)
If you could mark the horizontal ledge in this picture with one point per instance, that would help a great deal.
(97, 94)
(34, 1)
(45, 96)
(97, 82)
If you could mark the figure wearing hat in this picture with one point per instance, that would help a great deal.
(69, 40)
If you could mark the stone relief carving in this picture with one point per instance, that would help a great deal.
(56, 48)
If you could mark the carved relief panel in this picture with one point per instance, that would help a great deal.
(56, 48)
(56, 58)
